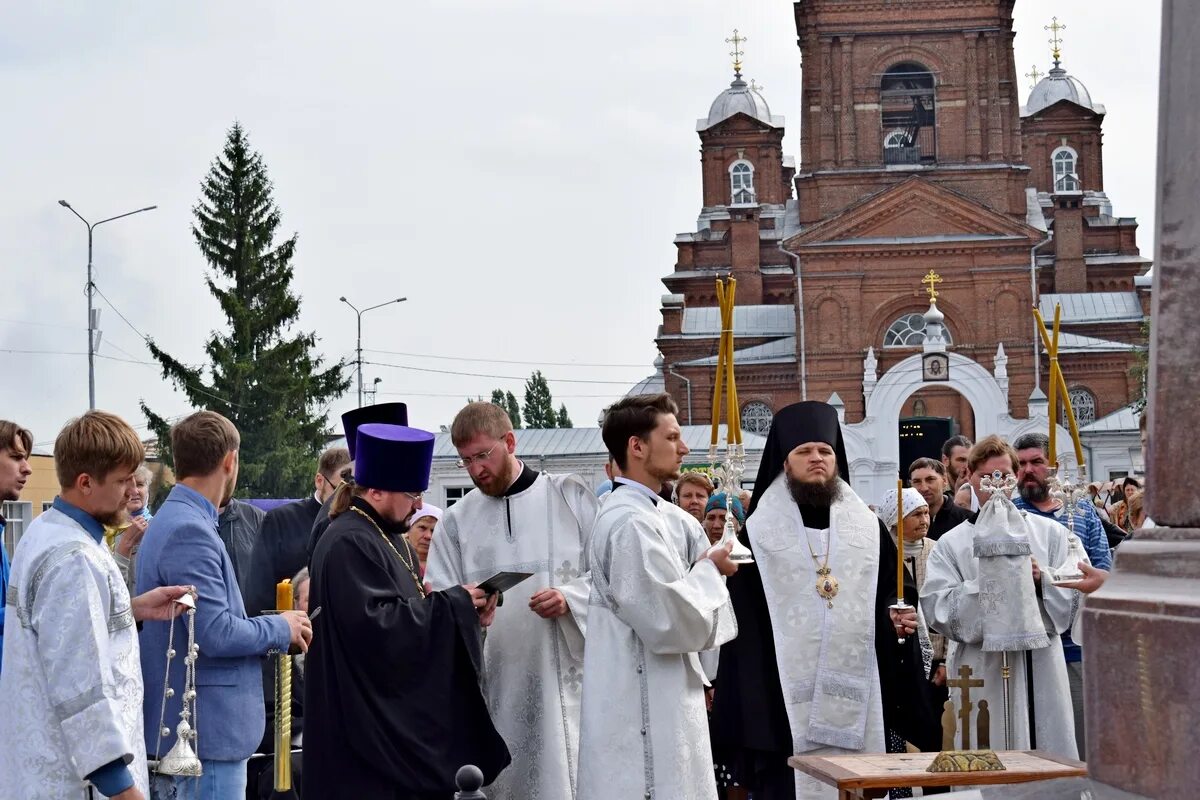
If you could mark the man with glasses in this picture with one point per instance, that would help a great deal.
(521, 520)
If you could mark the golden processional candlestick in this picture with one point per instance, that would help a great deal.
(181, 759)
(283, 704)
(728, 473)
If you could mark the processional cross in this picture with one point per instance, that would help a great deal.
(737, 41)
(932, 280)
(965, 683)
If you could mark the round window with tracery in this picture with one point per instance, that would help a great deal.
(1083, 403)
(756, 418)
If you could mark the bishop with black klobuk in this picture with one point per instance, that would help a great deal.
(393, 704)
(817, 667)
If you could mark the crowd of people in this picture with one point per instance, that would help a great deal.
(556, 635)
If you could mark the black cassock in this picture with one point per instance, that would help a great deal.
(750, 726)
(393, 705)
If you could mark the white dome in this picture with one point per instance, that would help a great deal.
(740, 97)
(1058, 85)
(934, 315)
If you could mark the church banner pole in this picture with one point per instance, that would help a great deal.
(1005, 674)
(1029, 699)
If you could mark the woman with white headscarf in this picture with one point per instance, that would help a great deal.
(420, 531)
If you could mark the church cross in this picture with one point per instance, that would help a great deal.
(965, 683)
(1055, 40)
(933, 279)
(756, 87)
(737, 41)
(1034, 75)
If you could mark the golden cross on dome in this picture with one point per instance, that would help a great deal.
(1055, 40)
(737, 41)
(933, 279)
(1034, 75)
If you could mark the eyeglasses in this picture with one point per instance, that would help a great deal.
(414, 496)
(463, 463)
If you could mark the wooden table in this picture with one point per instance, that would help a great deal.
(871, 774)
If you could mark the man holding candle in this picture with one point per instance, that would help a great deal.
(813, 616)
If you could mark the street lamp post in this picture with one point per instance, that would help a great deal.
(358, 349)
(91, 349)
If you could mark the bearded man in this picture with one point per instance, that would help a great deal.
(817, 667)
(521, 520)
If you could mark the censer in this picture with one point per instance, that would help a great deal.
(181, 759)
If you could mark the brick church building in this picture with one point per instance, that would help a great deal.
(917, 155)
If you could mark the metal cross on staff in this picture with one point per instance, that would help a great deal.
(932, 280)
(1034, 76)
(737, 41)
(1055, 40)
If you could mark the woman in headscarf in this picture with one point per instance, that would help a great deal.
(420, 531)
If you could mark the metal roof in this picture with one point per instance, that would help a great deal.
(1123, 420)
(652, 384)
(780, 351)
(550, 442)
(777, 320)
(1059, 85)
(742, 98)
(1093, 307)
(1074, 343)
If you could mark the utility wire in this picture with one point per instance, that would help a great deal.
(487, 375)
(502, 361)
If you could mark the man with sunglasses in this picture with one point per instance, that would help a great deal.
(521, 520)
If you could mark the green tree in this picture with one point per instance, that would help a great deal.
(266, 379)
(539, 405)
(513, 409)
(564, 419)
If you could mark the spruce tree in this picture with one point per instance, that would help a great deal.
(265, 378)
(539, 405)
(564, 419)
(514, 410)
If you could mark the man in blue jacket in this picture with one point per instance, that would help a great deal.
(181, 546)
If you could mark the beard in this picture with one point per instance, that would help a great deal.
(820, 494)
(1034, 490)
(114, 519)
(501, 480)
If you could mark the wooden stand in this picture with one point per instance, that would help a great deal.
(871, 775)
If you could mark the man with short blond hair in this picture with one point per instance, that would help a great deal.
(521, 520)
(17, 443)
(182, 546)
(71, 688)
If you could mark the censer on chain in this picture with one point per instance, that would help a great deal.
(181, 759)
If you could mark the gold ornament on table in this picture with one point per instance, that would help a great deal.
(727, 475)
(964, 759)
(181, 759)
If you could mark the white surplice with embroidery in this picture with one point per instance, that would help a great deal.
(826, 656)
(533, 667)
(645, 732)
(71, 688)
(954, 604)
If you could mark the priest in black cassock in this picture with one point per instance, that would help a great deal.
(389, 413)
(816, 667)
(393, 705)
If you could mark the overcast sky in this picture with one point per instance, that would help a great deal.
(516, 168)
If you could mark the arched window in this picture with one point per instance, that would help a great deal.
(741, 183)
(908, 115)
(756, 418)
(1083, 403)
(1066, 175)
(909, 331)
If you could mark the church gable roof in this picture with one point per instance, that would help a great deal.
(915, 211)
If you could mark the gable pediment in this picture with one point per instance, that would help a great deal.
(916, 210)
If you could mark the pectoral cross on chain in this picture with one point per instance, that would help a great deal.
(965, 683)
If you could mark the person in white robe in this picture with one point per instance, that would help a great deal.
(521, 520)
(658, 599)
(817, 667)
(976, 612)
(71, 689)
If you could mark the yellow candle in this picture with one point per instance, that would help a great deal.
(1054, 388)
(1072, 424)
(283, 595)
(899, 541)
(716, 401)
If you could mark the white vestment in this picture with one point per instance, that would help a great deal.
(533, 667)
(644, 728)
(826, 656)
(954, 606)
(71, 689)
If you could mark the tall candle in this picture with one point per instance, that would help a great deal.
(716, 401)
(1054, 388)
(899, 541)
(283, 595)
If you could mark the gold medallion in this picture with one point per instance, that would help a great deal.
(827, 586)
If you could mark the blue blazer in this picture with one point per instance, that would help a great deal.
(181, 546)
